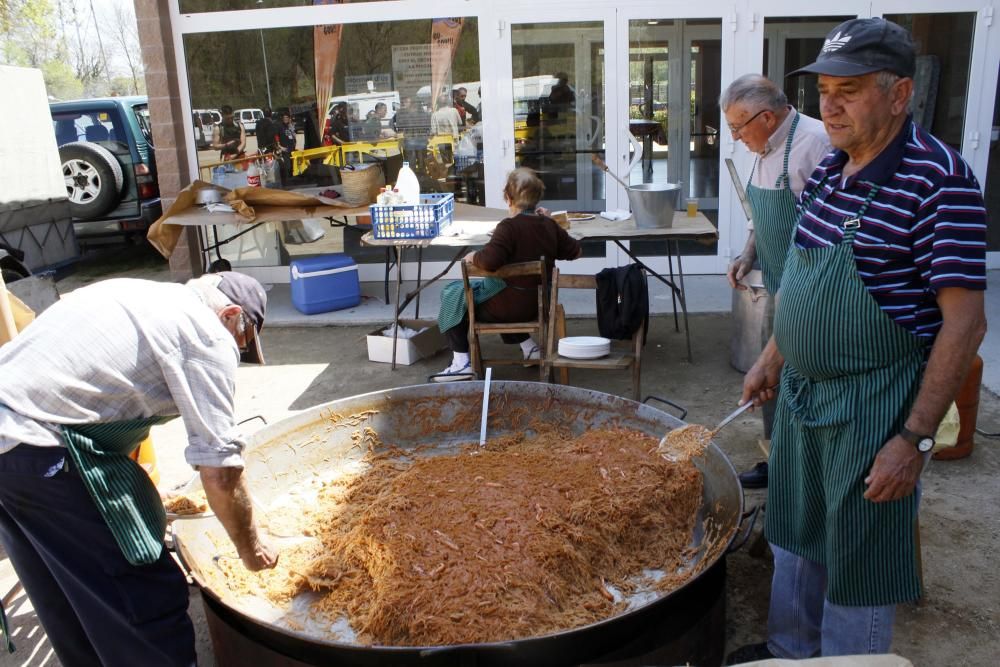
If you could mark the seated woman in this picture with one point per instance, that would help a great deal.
(525, 236)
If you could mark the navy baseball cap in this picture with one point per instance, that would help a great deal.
(863, 46)
(249, 295)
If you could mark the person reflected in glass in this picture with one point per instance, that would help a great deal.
(228, 136)
(337, 129)
(287, 141)
(414, 123)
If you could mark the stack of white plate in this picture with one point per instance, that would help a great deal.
(584, 347)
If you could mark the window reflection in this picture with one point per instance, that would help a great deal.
(558, 82)
(378, 106)
(308, 106)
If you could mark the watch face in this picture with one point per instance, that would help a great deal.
(925, 444)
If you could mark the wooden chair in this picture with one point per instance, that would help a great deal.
(535, 327)
(624, 355)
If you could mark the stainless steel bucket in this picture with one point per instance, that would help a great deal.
(753, 316)
(653, 204)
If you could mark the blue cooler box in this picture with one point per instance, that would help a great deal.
(322, 284)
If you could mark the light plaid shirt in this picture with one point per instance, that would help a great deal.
(123, 349)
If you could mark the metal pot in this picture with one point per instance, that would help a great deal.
(207, 196)
(283, 455)
(653, 204)
(753, 317)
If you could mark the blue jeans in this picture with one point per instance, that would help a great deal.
(802, 623)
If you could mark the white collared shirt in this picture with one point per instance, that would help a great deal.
(123, 349)
(809, 146)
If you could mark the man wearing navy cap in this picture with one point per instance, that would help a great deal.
(879, 315)
(80, 520)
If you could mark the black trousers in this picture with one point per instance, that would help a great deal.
(97, 609)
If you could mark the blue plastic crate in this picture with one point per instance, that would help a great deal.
(421, 221)
(466, 161)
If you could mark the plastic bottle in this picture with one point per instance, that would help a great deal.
(253, 176)
(408, 185)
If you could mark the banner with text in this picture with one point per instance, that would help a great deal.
(444, 42)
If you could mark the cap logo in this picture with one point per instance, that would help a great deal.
(836, 42)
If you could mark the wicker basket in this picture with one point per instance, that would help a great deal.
(362, 182)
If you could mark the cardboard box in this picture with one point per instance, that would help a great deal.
(427, 343)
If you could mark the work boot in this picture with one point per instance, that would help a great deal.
(750, 652)
(755, 478)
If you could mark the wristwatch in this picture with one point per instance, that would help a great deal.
(923, 443)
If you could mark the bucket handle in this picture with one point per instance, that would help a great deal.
(636, 152)
(757, 292)
(683, 410)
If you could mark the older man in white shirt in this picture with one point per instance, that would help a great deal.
(788, 145)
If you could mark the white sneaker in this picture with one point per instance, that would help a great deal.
(454, 373)
(534, 355)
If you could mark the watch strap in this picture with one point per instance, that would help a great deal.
(913, 438)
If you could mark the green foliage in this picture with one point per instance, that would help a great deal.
(60, 81)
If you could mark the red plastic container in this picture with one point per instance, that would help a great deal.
(967, 402)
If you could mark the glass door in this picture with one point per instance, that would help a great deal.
(673, 112)
(557, 86)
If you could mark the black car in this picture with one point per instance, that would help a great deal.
(106, 150)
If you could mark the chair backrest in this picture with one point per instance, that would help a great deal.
(516, 270)
(97, 133)
(557, 325)
(535, 326)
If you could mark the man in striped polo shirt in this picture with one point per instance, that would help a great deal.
(879, 315)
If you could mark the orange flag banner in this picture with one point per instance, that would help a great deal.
(444, 42)
(326, 47)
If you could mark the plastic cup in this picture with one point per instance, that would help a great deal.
(692, 207)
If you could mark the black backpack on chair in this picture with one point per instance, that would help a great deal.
(622, 302)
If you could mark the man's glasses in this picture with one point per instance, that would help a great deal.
(736, 129)
(247, 334)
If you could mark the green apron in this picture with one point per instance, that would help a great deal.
(121, 489)
(453, 309)
(851, 375)
(774, 218)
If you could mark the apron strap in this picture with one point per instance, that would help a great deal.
(788, 149)
(852, 224)
(752, 170)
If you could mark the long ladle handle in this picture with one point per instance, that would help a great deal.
(486, 405)
(603, 166)
(733, 415)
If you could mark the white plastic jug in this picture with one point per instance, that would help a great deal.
(408, 185)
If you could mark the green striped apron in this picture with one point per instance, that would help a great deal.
(453, 309)
(774, 218)
(851, 375)
(121, 489)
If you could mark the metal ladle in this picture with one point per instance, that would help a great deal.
(662, 447)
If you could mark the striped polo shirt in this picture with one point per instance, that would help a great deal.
(925, 228)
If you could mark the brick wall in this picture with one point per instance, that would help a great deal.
(166, 115)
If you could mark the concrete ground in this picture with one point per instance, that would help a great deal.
(957, 622)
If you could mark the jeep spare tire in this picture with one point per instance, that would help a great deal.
(93, 178)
